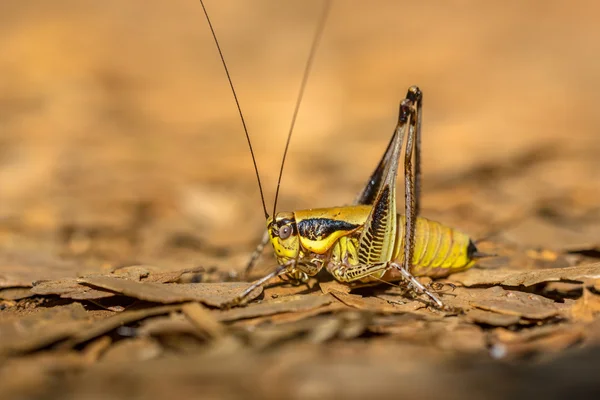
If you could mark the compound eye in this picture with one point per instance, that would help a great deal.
(285, 232)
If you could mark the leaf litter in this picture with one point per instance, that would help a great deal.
(505, 277)
(142, 313)
(184, 314)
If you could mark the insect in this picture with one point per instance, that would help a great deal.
(368, 240)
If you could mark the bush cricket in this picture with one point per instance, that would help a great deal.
(366, 241)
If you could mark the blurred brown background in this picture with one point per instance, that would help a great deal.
(120, 142)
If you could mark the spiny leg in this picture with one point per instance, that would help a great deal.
(256, 254)
(351, 273)
(376, 242)
(412, 189)
(280, 270)
(418, 285)
(413, 97)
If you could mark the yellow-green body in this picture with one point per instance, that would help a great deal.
(369, 240)
(438, 250)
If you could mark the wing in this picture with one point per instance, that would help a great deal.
(368, 194)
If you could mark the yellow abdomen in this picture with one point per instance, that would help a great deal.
(439, 250)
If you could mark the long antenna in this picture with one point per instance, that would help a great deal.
(237, 103)
(307, 68)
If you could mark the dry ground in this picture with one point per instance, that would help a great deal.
(128, 202)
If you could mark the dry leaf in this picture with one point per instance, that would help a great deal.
(344, 325)
(69, 288)
(212, 294)
(462, 338)
(169, 276)
(42, 328)
(276, 306)
(476, 277)
(174, 323)
(509, 302)
(23, 269)
(282, 289)
(319, 329)
(538, 341)
(562, 289)
(92, 352)
(292, 316)
(16, 293)
(586, 308)
(333, 285)
(375, 304)
(133, 272)
(140, 349)
(203, 320)
(491, 318)
(404, 326)
(103, 326)
(32, 372)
